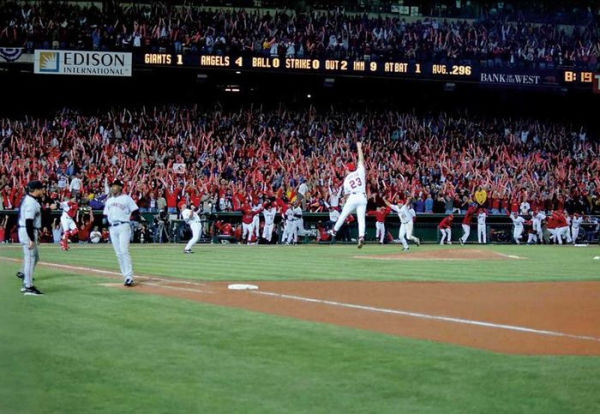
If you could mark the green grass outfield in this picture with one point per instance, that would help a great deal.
(84, 348)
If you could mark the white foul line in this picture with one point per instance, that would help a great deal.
(427, 316)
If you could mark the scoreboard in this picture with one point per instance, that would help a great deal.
(307, 65)
(475, 73)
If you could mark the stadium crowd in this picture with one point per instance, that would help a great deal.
(492, 39)
(223, 158)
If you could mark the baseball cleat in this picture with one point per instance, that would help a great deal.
(461, 242)
(332, 233)
(188, 251)
(406, 249)
(418, 242)
(361, 242)
(20, 275)
(129, 283)
(32, 291)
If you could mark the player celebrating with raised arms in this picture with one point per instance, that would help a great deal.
(356, 200)
(190, 216)
(118, 210)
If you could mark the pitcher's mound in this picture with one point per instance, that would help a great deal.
(445, 254)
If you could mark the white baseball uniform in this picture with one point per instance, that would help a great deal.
(575, 225)
(290, 226)
(537, 224)
(410, 225)
(404, 216)
(256, 222)
(481, 228)
(118, 210)
(269, 215)
(29, 209)
(518, 228)
(355, 189)
(192, 218)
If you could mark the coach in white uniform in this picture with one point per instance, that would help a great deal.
(118, 209)
(355, 189)
(191, 217)
(30, 222)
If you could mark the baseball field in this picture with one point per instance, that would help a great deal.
(440, 329)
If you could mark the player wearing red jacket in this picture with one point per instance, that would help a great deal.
(466, 223)
(445, 228)
(380, 214)
(247, 218)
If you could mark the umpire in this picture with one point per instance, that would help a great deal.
(30, 222)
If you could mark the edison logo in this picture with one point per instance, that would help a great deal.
(49, 62)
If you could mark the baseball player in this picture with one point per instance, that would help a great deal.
(30, 222)
(299, 222)
(405, 217)
(119, 208)
(355, 189)
(481, 228)
(445, 228)
(69, 227)
(562, 227)
(567, 229)
(575, 225)
(466, 223)
(292, 214)
(191, 217)
(537, 217)
(256, 208)
(247, 219)
(518, 226)
(410, 226)
(269, 213)
(380, 215)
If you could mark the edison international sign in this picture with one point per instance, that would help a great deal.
(71, 62)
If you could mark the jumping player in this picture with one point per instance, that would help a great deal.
(118, 210)
(355, 189)
(445, 228)
(406, 218)
(191, 217)
(69, 227)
